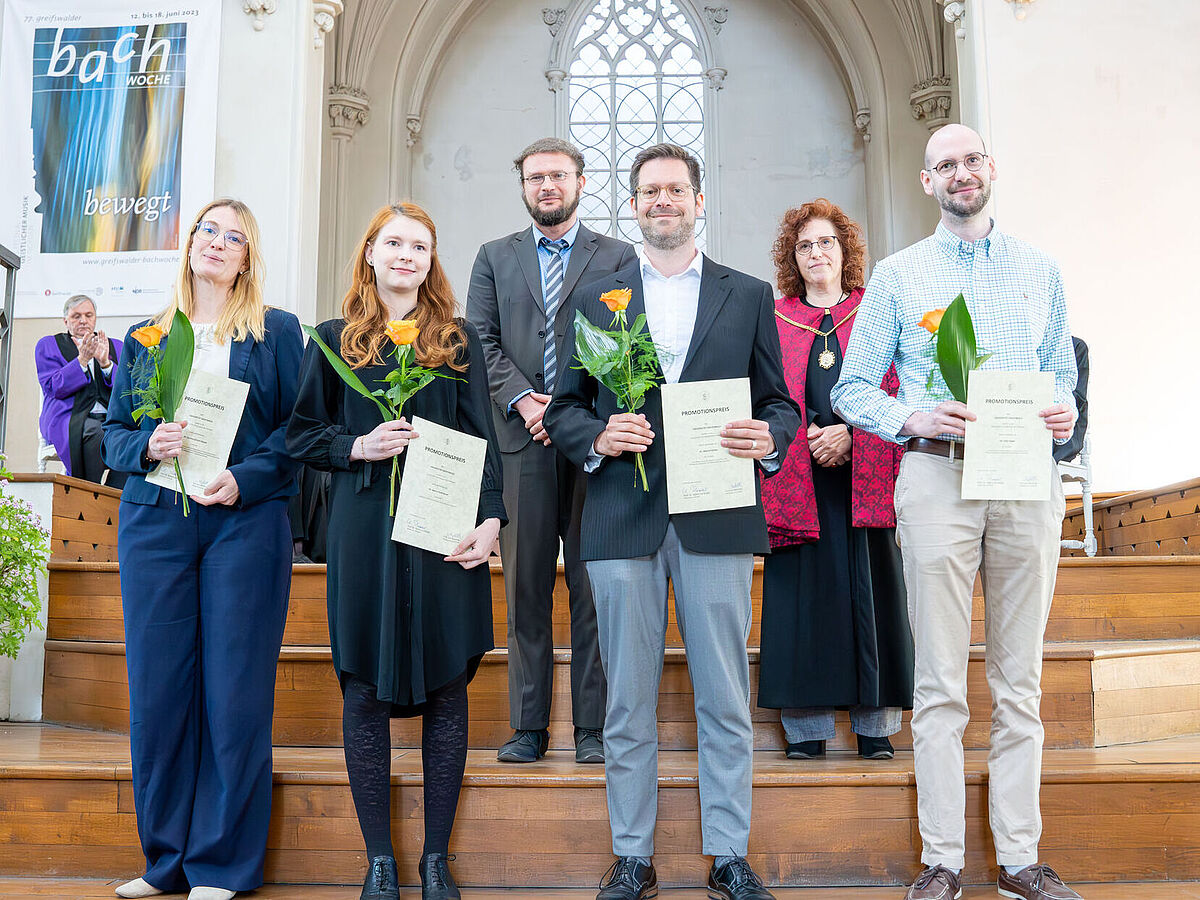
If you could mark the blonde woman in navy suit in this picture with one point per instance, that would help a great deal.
(205, 596)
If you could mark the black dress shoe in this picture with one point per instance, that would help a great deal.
(806, 750)
(628, 879)
(736, 881)
(875, 748)
(525, 747)
(589, 745)
(436, 881)
(382, 882)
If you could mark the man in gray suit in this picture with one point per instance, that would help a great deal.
(520, 302)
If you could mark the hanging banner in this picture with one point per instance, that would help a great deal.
(109, 137)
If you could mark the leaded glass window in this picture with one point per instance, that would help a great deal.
(636, 78)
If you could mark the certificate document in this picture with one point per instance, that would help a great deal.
(439, 490)
(701, 475)
(1007, 452)
(212, 406)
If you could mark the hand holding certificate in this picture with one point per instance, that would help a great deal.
(212, 407)
(1007, 451)
(701, 473)
(439, 493)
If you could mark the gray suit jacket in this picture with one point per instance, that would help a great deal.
(504, 303)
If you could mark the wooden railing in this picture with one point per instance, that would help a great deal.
(1159, 522)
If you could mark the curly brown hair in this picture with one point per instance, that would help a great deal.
(849, 235)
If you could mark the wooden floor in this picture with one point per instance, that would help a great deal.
(68, 889)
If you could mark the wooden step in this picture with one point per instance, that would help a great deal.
(1093, 695)
(1133, 598)
(1129, 813)
(87, 889)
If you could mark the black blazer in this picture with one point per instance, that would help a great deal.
(258, 461)
(734, 337)
(1074, 445)
(504, 303)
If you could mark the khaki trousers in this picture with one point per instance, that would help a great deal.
(944, 540)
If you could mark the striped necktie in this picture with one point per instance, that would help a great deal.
(552, 297)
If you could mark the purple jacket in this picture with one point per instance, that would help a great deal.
(61, 379)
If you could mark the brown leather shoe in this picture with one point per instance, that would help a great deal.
(935, 883)
(1036, 882)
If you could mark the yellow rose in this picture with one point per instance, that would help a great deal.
(932, 320)
(148, 335)
(402, 331)
(616, 299)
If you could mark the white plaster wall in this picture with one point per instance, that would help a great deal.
(1093, 114)
(786, 130)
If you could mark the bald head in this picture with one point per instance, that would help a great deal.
(952, 142)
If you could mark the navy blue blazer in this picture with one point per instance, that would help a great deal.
(259, 461)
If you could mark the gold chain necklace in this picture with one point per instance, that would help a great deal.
(825, 359)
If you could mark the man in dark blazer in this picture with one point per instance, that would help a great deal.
(708, 322)
(520, 300)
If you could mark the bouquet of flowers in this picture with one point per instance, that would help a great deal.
(160, 376)
(402, 382)
(952, 338)
(624, 360)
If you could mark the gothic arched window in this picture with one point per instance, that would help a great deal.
(635, 77)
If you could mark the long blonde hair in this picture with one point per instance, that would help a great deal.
(366, 315)
(244, 313)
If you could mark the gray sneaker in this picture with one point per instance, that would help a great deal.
(935, 883)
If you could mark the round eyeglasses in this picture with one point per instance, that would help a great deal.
(972, 162)
(805, 248)
(210, 231)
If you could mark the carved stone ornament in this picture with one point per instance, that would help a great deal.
(348, 109)
(554, 19)
(259, 9)
(557, 79)
(954, 13)
(862, 122)
(324, 12)
(717, 16)
(413, 124)
(930, 101)
(716, 77)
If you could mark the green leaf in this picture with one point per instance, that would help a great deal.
(346, 373)
(176, 364)
(956, 354)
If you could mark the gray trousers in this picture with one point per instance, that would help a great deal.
(712, 606)
(816, 723)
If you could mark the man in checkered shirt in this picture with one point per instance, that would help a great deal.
(1015, 296)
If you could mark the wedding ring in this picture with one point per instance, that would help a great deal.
(754, 445)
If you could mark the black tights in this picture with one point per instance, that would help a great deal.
(366, 734)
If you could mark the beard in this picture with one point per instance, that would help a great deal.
(670, 240)
(551, 217)
(966, 208)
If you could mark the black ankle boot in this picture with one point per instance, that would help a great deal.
(382, 882)
(436, 881)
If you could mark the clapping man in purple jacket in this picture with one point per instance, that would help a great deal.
(75, 370)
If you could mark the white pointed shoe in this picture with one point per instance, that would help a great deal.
(139, 887)
(210, 893)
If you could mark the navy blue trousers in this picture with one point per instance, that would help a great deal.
(205, 599)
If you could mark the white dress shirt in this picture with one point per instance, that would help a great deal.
(671, 304)
(210, 356)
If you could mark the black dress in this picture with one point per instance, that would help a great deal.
(400, 618)
(834, 619)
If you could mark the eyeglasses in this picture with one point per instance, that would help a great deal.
(948, 167)
(805, 248)
(555, 178)
(210, 231)
(648, 193)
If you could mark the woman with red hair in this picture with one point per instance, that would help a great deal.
(407, 627)
(835, 632)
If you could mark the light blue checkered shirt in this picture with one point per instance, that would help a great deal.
(1014, 293)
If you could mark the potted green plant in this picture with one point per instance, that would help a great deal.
(24, 549)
